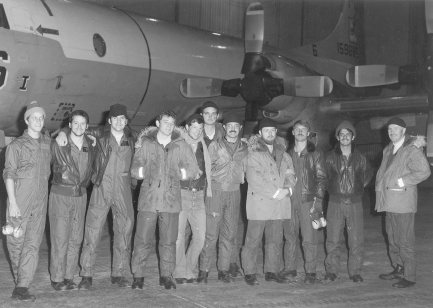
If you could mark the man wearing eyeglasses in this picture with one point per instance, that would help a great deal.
(348, 173)
(310, 170)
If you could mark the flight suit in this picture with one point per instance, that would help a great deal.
(72, 169)
(28, 164)
(113, 191)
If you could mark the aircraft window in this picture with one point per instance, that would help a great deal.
(99, 45)
(3, 20)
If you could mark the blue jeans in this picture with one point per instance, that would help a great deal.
(194, 212)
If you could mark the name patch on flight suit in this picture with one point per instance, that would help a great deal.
(124, 143)
(85, 150)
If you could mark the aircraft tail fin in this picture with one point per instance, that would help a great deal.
(345, 43)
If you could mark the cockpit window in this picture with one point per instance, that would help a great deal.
(3, 20)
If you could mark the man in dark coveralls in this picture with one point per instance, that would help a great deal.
(72, 170)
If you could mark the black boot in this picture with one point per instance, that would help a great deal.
(397, 273)
(202, 277)
(275, 277)
(235, 270)
(85, 284)
(310, 278)
(58, 286)
(224, 276)
(330, 277)
(23, 294)
(120, 281)
(403, 283)
(70, 284)
(357, 278)
(288, 274)
(251, 280)
(138, 283)
(167, 282)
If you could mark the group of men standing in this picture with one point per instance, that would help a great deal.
(191, 176)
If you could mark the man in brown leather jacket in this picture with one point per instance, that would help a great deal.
(228, 156)
(72, 169)
(348, 173)
(310, 170)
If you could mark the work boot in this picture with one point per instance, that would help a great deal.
(310, 278)
(180, 280)
(397, 273)
(120, 281)
(357, 278)
(191, 280)
(235, 270)
(403, 283)
(85, 284)
(275, 277)
(224, 276)
(251, 280)
(138, 283)
(70, 284)
(330, 277)
(23, 294)
(288, 274)
(167, 282)
(58, 286)
(202, 277)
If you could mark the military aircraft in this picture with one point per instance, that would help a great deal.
(70, 55)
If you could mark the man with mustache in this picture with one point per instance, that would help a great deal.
(348, 173)
(310, 169)
(72, 169)
(403, 166)
(270, 178)
(228, 156)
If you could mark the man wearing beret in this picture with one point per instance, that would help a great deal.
(348, 173)
(403, 166)
(270, 178)
(193, 194)
(310, 169)
(26, 173)
(228, 155)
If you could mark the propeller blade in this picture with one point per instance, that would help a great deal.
(201, 87)
(254, 28)
(308, 86)
(372, 75)
(429, 16)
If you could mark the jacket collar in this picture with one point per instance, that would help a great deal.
(337, 149)
(310, 148)
(151, 132)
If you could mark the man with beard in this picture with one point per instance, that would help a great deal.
(193, 211)
(310, 169)
(403, 166)
(228, 156)
(270, 178)
(162, 161)
(111, 189)
(348, 173)
(72, 169)
(26, 172)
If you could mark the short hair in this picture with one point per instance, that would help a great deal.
(303, 123)
(78, 113)
(167, 113)
(194, 119)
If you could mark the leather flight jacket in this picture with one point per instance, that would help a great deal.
(66, 176)
(313, 175)
(347, 177)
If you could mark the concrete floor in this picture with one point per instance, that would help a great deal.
(373, 292)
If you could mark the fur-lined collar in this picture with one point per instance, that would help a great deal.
(150, 134)
(416, 141)
(256, 144)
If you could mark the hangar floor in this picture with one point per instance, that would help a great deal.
(373, 292)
